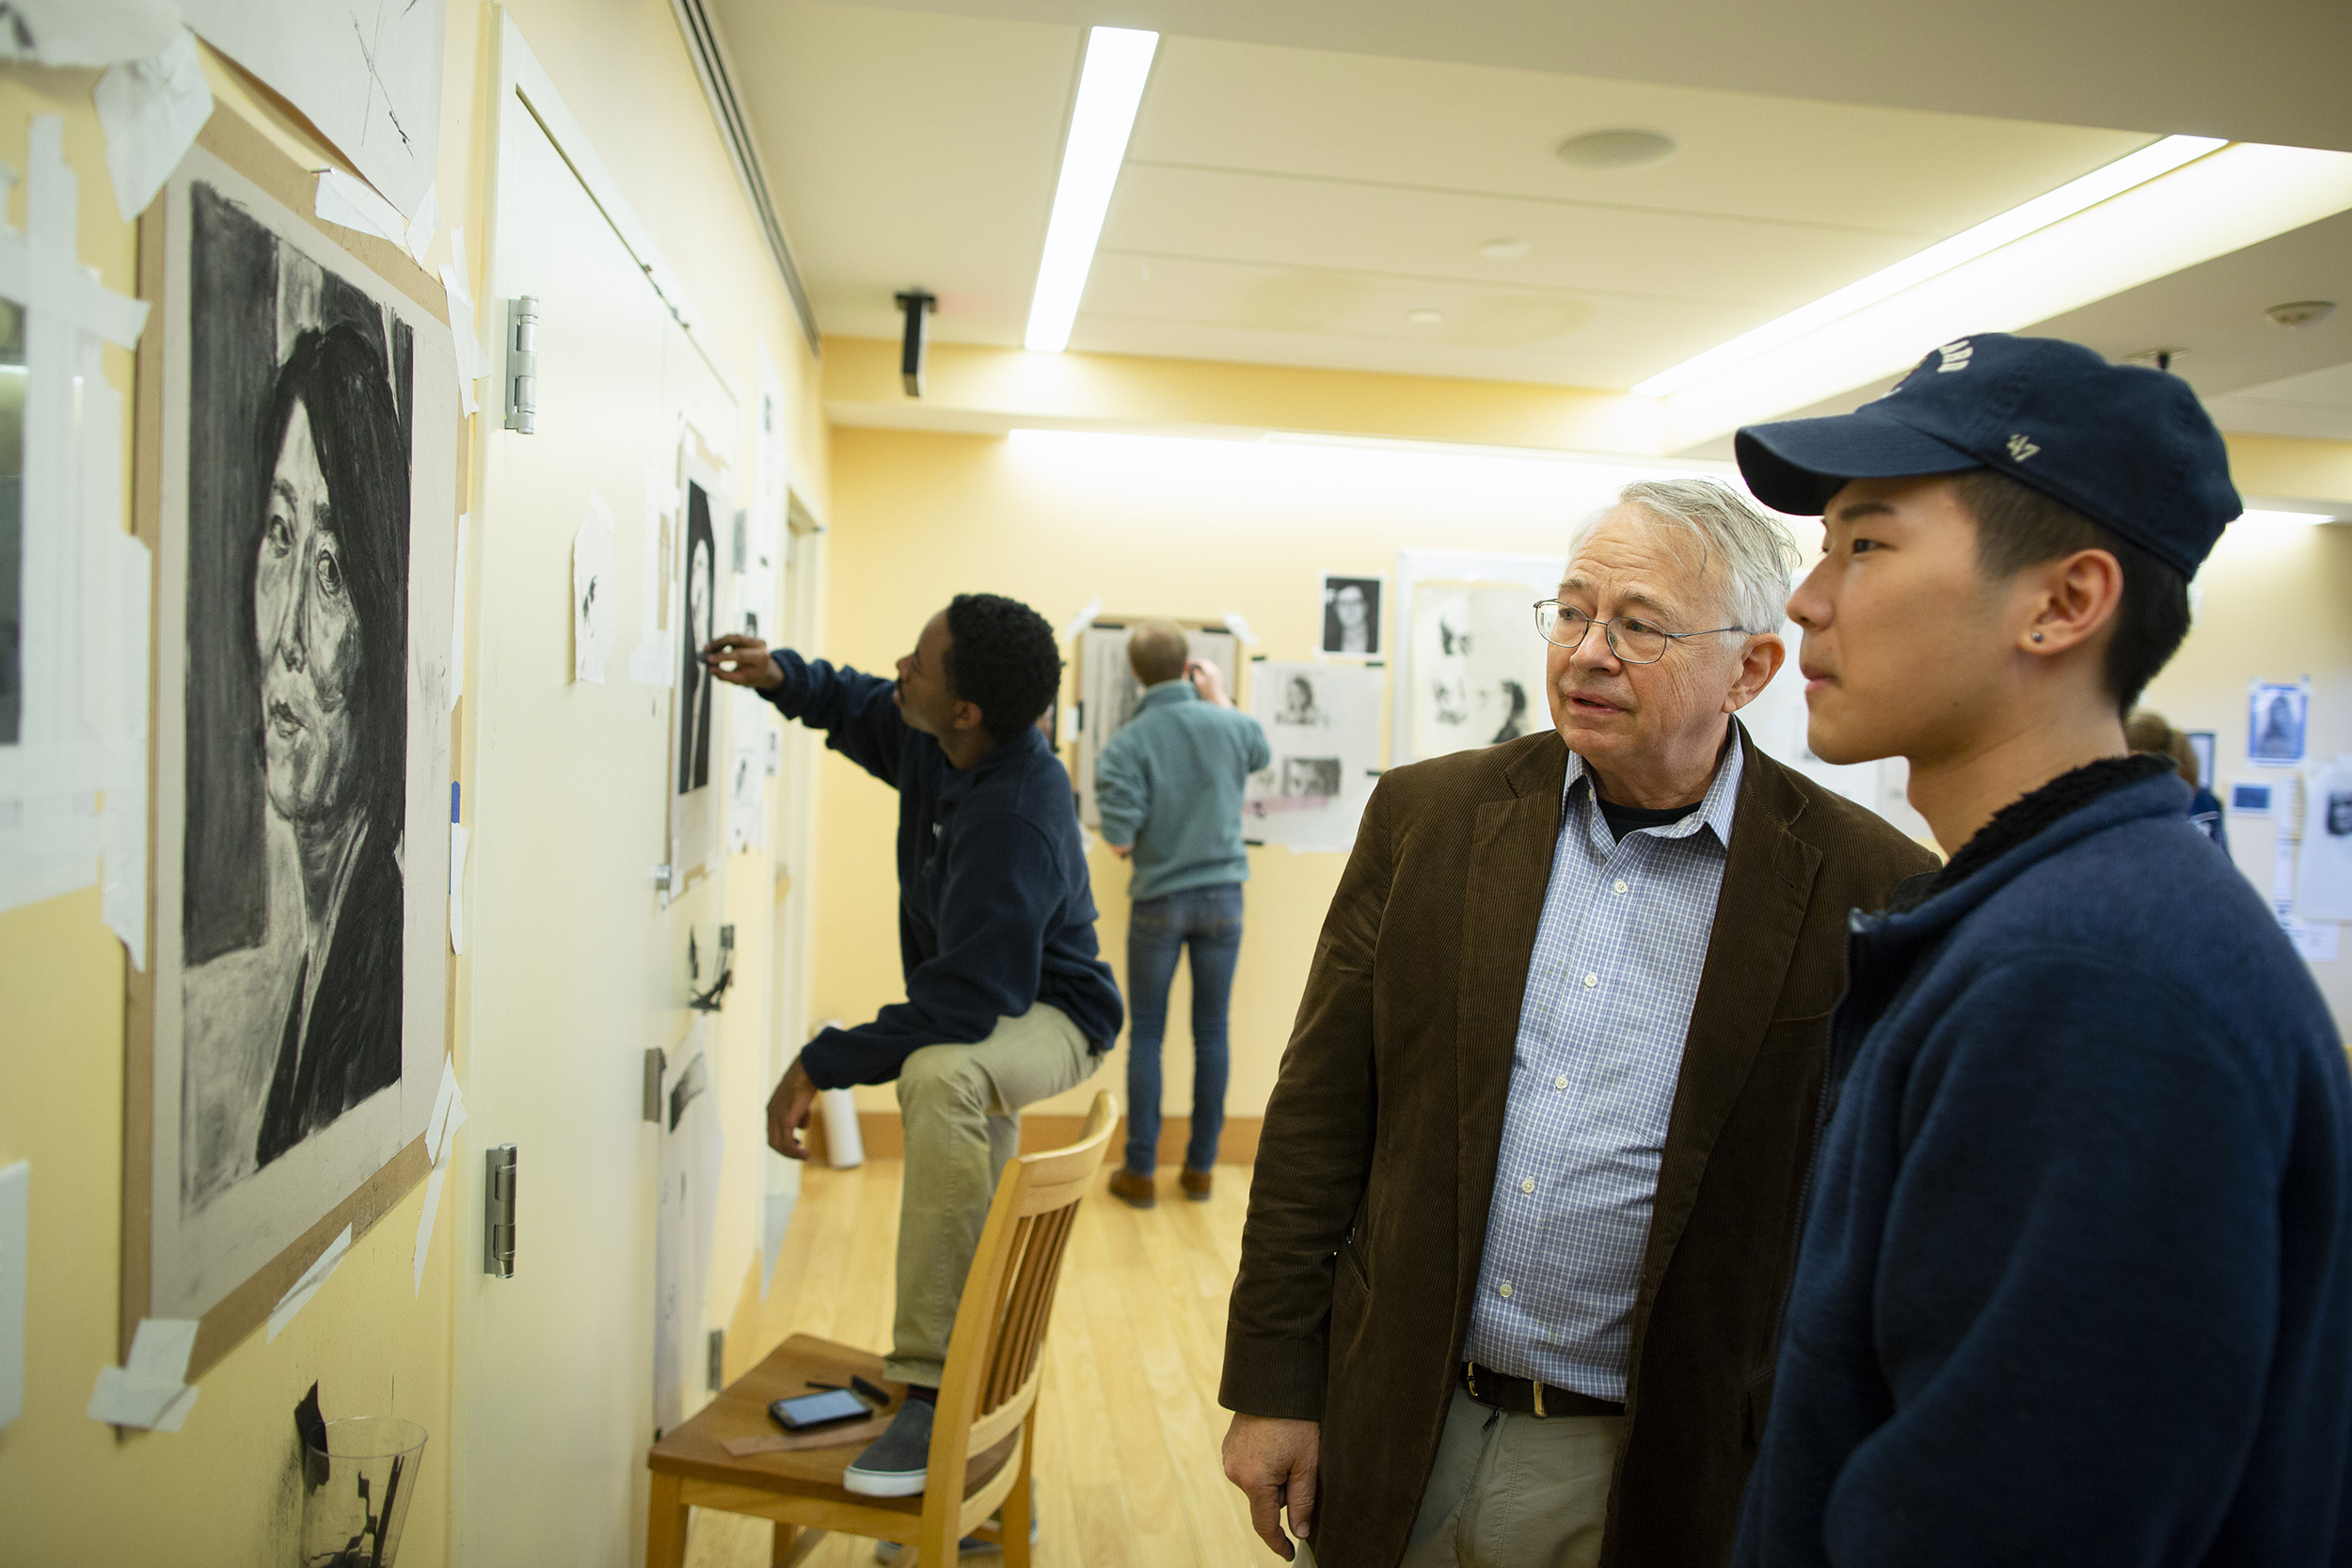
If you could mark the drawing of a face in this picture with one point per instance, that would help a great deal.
(2339, 816)
(308, 632)
(1348, 604)
(698, 596)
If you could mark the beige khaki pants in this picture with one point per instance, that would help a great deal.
(960, 1105)
(1516, 1491)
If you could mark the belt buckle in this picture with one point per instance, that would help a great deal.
(1535, 1385)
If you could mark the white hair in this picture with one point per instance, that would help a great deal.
(1755, 550)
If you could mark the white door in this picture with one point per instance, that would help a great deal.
(575, 963)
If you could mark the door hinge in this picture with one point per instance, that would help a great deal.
(656, 1065)
(522, 363)
(497, 1211)
(718, 1378)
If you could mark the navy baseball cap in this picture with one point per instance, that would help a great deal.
(2127, 446)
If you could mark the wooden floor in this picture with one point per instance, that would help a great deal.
(1129, 1426)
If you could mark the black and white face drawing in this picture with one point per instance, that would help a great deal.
(1351, 616)
(2340, 815)
(297, 715)
(1317, 778)
(694, 685)
(1298, 704)
(1510, 699)
(2279, 734)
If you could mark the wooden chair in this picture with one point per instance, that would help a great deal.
(732, 1456)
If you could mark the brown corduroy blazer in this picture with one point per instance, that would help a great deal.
(1368, 1211)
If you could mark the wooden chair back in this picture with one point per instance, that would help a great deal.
(994, 1356)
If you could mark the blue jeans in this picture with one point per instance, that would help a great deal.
(1208, 919)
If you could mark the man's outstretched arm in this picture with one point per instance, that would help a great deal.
(853, 709)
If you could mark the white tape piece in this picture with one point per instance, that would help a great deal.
(458, 837)
(457, 616)
(308, 1286)
(418, 237)
(40, 268)
(351, 201)
(1238, 624)
(438, 1128)
(150, 1389)
(150, 111)
(1079, 621)
(87, 32)
(424, 1225)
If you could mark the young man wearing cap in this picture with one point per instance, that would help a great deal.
(2076, 1284)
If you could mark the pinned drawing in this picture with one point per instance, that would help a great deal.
(697, 810)
(2276, 712)
(1321, 724)
(2324, 883)
(1108, 690)
(596, 622)
(1476, 662)
(1351, 615)
(308, 418)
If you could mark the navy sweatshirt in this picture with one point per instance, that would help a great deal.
(995, 909)
(2076, 1286)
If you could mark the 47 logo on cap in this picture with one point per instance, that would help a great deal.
(1956, 354)
(2020, 448)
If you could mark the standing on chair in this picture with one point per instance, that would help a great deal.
(1528, 1187)
(1007, 1000)
(1168, 786)
(2077, 1280)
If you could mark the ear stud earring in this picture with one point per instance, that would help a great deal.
(2037, 637)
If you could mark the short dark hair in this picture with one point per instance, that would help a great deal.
(2018, 526)
(1003, 656)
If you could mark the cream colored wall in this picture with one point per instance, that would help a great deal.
(222, 1491)
(1196, 528)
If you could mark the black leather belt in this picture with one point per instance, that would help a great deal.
(1523, 1396)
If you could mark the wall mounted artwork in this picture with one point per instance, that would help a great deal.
(1321, 724)
(299, 416)
(1470, 662)
(697, 810)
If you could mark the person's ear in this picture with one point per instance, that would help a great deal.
(2066, 602)
(1759, 661)
(967, 716)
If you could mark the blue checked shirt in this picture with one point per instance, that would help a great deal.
(1615, 970)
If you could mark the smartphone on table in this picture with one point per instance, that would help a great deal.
(818, 1410)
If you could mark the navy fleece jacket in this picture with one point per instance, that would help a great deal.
(2075, 1285)
(995, 909)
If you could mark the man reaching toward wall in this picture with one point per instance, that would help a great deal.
(1008, 1002)
(1169, 786)
(2077, 1267)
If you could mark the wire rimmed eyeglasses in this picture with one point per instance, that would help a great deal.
(1633, 640)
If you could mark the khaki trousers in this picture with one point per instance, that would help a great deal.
(1516, 1491)
(961, 1106)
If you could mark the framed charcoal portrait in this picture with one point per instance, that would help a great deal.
(1351, 608)
(303, 428)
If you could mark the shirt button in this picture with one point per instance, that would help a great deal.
(1506, 1289)
(1591, 980)
(1561, 1082)
(1528, 1185)
(1621, 885)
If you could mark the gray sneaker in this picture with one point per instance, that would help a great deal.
(893, 1465)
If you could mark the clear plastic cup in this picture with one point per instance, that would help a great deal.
(357, 1489)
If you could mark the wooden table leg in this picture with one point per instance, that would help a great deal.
(665, 1524)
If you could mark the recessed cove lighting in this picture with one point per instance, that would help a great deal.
(1503, 250)
(1424, 316)
(1603, 150)
(1110, 89)
(2075, 195)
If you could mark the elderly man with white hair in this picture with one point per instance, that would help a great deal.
(1527, 1194)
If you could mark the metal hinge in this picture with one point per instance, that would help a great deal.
(522, 363)
(718, 1378)
(656, 1065)
(497, 1211)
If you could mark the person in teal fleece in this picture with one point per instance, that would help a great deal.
(1168, 786)
(2075, 1281)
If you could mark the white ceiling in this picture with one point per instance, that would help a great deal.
(1293, 205)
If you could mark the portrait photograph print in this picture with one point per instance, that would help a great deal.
(1351, 615)
(2275, 716)
(309, 466)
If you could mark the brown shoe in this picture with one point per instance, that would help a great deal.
(1134, 1191)
(1197, 1184)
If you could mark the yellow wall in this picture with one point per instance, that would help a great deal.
(1193, 528)
(222, 1491)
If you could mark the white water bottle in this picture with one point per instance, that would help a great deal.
(844, 1150)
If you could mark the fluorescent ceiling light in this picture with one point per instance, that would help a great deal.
(2136, 169)
(1110, 89)
(2251, 515)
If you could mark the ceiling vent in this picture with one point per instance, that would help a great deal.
(1607, 149)
(2302, 312)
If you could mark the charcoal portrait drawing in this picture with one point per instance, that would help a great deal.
(695, 629)
(297, 694)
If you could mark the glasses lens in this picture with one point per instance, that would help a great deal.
(1638, 642)
(1559, 625)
